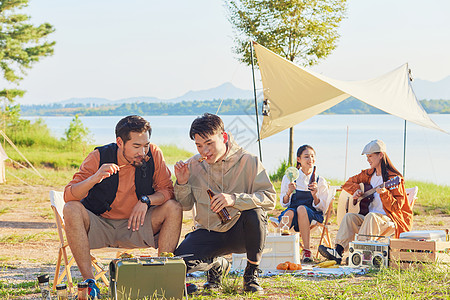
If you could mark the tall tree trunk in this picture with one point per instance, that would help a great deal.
(291, 146)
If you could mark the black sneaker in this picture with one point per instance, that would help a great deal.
(220, 268)
(330, 254)
(191, 288)
(251, 279)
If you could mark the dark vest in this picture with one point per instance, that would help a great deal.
(102, 195)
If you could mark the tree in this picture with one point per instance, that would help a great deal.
(302, 31)
(21, 45)
(77, 134)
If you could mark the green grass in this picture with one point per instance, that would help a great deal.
(14, 290)
(172, 153)
(433, 198)
(4, 210)
(430, 281)
(23, 238)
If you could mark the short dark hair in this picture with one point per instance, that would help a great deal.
(132, 123)
(206, 125)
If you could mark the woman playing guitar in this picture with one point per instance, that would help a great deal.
(387, 204)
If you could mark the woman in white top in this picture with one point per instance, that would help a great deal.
(310, 200)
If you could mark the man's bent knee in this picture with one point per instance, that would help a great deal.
(75, 210)
(172, 207)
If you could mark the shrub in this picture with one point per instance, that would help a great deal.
(279, 173)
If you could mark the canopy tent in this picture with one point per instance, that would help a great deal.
(296, 94)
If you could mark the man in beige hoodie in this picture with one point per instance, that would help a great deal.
(240, 185)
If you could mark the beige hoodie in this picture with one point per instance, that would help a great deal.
(240, 174)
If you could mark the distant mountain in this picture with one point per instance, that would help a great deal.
(138, 99)
(424, 90)
(432, 89)
(224, 91)
(99, 101)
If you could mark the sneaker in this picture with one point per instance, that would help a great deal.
(330, 254)
(307, 256)
(191, 288)
(274, 221)
(93, 290)
(251, 279)
(220, 268)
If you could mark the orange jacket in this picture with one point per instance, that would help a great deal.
(395, 202)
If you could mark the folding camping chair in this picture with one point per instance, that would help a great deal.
(57, 202)
(323, 227)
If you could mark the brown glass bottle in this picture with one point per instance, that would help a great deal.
(313, 176)
(223, 214)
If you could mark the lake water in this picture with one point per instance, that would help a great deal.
(427, 151)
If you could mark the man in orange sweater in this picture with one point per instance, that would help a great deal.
(122, 196)
(387, 205)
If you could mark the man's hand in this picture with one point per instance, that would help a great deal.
(219, 201)
(137, 216)
(105, 171)
(181, 172)
(357, 194)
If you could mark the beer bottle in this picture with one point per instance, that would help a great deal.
(223, 214)
(313, 176)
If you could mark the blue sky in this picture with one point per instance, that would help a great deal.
(118, 49)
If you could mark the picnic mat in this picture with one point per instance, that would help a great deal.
(319, 272)
(307, 271)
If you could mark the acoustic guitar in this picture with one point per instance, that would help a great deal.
(347, 204)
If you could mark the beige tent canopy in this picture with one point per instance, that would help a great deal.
(296, 94)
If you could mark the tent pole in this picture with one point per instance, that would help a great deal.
(404, 150)
(256, 102)
(346, 156)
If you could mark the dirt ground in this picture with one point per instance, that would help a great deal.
(29, 241)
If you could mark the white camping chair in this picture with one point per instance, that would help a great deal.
(57, 201)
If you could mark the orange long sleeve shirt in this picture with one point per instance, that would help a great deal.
(126, 197)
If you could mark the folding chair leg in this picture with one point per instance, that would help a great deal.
(320, 240)
(100, 271)
(62, 256)
(58, 268)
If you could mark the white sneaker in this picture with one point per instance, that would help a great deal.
(274, 221)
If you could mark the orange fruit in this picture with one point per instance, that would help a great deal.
(282, 266)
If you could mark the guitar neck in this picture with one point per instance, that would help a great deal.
(370, 192)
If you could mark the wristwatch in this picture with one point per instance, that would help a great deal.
(145, 199)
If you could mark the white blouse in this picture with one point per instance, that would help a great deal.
(302, 182)
(376, 205)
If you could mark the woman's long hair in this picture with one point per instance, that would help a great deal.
(300, 151)
(386, 164)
